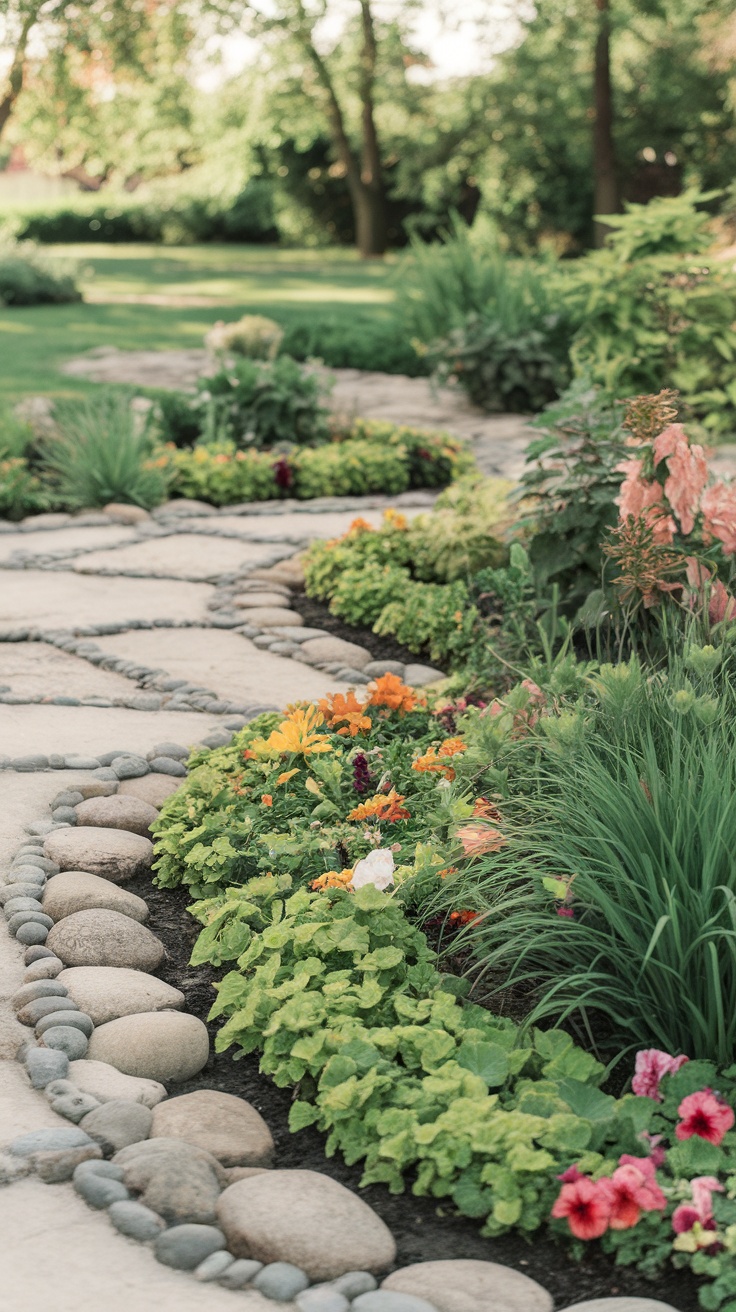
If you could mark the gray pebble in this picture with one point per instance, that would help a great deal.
(56, 762)
(66, 813)
(26, 873)
(167, 765)
(78, 1020)
(37, 953)
(59, 1089)
(213, 1266)
(110, 1170)
(281, 1281)
(388, 1300)
(65, 1039)
(81, 763)
(240, 1273)
(129, 767)
(118, 1123)
(172, 750)
(32, 933)
(20, 918)
(35, 762)
(186, 1246)
(43, 863)
(39, 826)
(98, 1191)
(135, 1220)
(49, 1141)
(44, 1065)
(105, 775)
(40, 988)
(354, 1283)
(56, 1167)
(70, 796)
(322, 1298)
(217, 740)
(9, 891)
(15, 904)
(33, 1011)
(74, 1105)
(44, 968)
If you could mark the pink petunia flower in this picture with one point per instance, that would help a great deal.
(631, 1190)
(585, 1206)
(700, 1210)
(719, 515)
(705, 1115)
(651, 1066)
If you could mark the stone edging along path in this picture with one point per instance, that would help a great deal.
(190, 1175)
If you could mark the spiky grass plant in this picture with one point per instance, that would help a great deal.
(103, 452)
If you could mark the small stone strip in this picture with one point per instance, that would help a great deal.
(190, 1176)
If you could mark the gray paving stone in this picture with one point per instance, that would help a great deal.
(186, 1246)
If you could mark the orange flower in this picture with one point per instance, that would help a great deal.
(384, 806)
(448, 870)
(478, 838)
(394, 519)
(432, 762)
(267, 799)
(358, 526)
(463, 917)
(297, 733)
(286, 776)
(485, 810)
(336, 708)
(332, 879)
(391, 692)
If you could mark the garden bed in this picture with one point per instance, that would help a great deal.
(423, 1230)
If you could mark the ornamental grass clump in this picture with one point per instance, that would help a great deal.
(613, 900)
(103, 452)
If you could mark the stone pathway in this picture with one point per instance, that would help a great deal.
(498, 441)
(122, 644)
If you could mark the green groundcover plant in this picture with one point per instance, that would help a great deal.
(102, 451)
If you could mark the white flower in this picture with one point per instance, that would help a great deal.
(377, 868)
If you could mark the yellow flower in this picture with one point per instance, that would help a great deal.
(333, 879)
(394, 519)
(297, 734)
(286, 776)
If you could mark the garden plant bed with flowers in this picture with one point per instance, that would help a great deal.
(316, 844)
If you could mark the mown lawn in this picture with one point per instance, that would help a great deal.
(140, 297)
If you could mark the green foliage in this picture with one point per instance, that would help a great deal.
(503, 370)
(253, 336)
(352, 468)
(21, 491)
(102, 452)
(437, 616)
(358, 343)
(29, 278)
(625, 797)
(663, 319)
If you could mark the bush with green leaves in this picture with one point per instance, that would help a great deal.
(504, 368)
(103, 451)
(355, 343)
(253, 336)
(27, 277)
(618, 813)
(654, 309)
(21, 491)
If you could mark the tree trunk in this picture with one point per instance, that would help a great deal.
(369, 212)
(16, 73)
(369, 199)
(607, 200)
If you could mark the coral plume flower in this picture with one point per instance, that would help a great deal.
(585, 1207)
(478, 838)
(686, 479)
(705, 1115)
(718, 505)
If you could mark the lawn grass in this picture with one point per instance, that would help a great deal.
(125, 284)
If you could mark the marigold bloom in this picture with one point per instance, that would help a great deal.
(389, 691)
(394, 519)
(585, 1206)
(297, 734)
(434, 759)
(337, 708)
(650, 1067)
(478, 838)
(460, 918)
(705, 1115)
(332, 879)
(718, 505)
(384, 806)
(266, 799)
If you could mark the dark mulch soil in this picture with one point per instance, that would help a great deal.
(423, 1231)
(318, 616)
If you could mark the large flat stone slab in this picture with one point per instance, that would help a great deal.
(60, 599)
(112, 854)
(184, 556)
(77, 890)
(61, 540)
(226, 662)
(33, 668)
(93, 729)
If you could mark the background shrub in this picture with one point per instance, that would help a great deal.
(29, 278)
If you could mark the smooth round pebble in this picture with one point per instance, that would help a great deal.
(105, 1083)
(354, 1283)
(213, 1266)
(621, 1305)
(153, 788)
(65, 1039)
(117, 812)
(322, 1298)
(385, 1300)
(468, 1285)
(44, 1065)
(105, 938)
(30, 933)
(33, 1011)
(37, 953)
(45, 968)
(109, 992)
(76, 1019)
(113, 854)
(167, 765)
(98, 1191)
(43, 988)
(15, 904)
(228, 1127)
(49, 1141)
(135, 1220)
(76, 890)
(59, 1088)
(74, 1106)
(159, 1045)
(174, 750)
(21, 918)
(108, 1169)
(65, 813)
(129, 767)
(20, 888)
(240, 1273)
(57, 1167)
(116, 1124)
(186, 1246)
(281, 1281)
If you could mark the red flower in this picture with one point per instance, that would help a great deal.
(705, 1115)
(632, 1189)
(586, 1206)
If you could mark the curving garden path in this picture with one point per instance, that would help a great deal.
(125, 639)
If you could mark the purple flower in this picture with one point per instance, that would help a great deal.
(362, 777)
